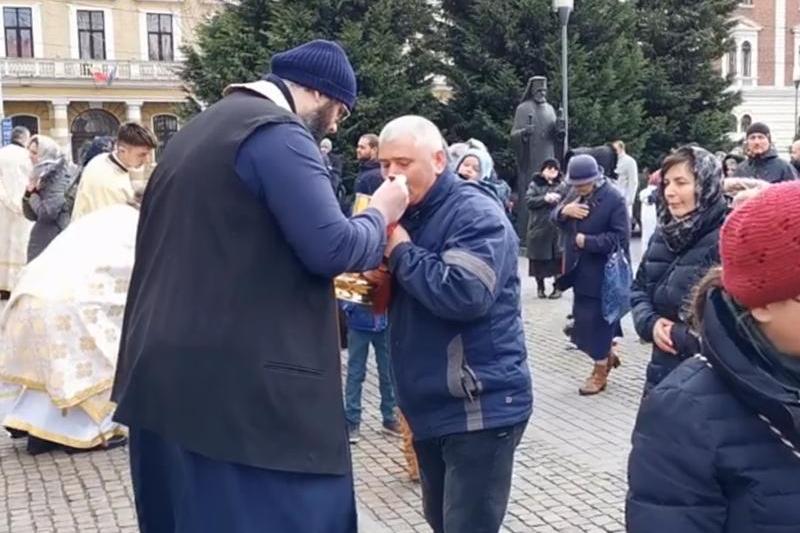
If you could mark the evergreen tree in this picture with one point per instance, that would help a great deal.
(231, 47)
(385, 40)
(686, 98)
(494, 46)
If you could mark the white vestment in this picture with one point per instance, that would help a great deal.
(15, 229)
(60, 332)
(649, 216)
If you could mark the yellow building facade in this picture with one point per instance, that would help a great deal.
(74, 70)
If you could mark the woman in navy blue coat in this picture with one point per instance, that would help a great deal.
(691, 210)
(595, 223)
(716, 444)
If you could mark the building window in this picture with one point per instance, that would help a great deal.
(164, 127)
(159, 37)
(91, 34)
(18, 22)
(746, 122)
(26, 121)
(747, 60)
(90, 124)
(732, 70)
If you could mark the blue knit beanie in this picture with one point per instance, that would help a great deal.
(583, 169)
(319, 65)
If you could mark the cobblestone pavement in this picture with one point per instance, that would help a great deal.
(569, 474)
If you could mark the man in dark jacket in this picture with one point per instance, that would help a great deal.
(762, 158)
(369, 172)
(458, 346)
(229, 374)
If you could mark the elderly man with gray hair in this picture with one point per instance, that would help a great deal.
(458, 346)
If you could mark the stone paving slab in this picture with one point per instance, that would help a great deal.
(569, 472)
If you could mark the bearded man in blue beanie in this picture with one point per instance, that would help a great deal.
(229, 373)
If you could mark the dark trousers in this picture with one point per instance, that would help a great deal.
(466, 478)
(178, 491)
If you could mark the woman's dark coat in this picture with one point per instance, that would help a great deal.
(663, 286)
(543, 237)
(715, 447)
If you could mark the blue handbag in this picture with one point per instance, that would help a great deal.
(616, 289)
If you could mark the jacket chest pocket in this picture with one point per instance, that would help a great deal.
(291, 369)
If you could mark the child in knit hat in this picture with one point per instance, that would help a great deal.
(716, 446)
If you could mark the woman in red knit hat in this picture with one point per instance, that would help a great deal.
(716, 446)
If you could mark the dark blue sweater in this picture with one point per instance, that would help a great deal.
(283, 167)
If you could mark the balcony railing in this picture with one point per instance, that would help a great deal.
(82, 69)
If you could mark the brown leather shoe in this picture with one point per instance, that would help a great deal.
(596, 383)
(613, 362)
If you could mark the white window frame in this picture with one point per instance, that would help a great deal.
(177, 37)
(726, 62)
(796, 52)
(739, 119)
(108, 24)
(36, 23)
(745, 30)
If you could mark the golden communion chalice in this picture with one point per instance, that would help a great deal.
(353, 287)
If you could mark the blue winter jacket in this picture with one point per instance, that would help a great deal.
(606, 228)
(455, 324)
(663, 287)
(715, 444)
(369, 177)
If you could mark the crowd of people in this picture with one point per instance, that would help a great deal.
(69, 250)
(191, 314)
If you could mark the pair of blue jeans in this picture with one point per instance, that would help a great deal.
(358, 343)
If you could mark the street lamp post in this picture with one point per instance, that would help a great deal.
(564, 9)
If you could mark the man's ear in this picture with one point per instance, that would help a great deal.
(440, 162)
(763, 315)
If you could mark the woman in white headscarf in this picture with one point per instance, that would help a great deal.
(44, 202)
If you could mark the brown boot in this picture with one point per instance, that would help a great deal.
(596, 383)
